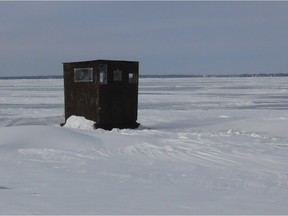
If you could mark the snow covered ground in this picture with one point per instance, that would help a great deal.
(205, 146)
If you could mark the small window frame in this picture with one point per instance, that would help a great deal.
(117, 75)
(133, 78)
(83, 75)
(103, 75)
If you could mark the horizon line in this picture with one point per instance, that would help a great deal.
(157, 76)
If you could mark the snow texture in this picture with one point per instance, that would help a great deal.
(205, 146)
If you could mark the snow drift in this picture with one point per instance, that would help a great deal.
(79, 122)
(206, 146)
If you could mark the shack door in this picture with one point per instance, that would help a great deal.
(119, 109)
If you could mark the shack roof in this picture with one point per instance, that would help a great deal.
(102, 60)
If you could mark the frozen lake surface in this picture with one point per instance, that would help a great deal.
(205, 146)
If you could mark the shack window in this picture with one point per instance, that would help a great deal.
(133, 78)
(103, 73)
(117, 75)
(83, 74)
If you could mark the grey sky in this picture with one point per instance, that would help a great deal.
(190, 37)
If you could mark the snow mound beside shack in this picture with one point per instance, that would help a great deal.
(79, 122)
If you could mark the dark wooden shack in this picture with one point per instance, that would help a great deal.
(104, 91)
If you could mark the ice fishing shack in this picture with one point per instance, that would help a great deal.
(104, 91)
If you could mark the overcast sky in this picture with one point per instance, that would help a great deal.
(189, 37)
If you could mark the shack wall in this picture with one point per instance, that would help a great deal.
(118, 100)
(81, 98)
